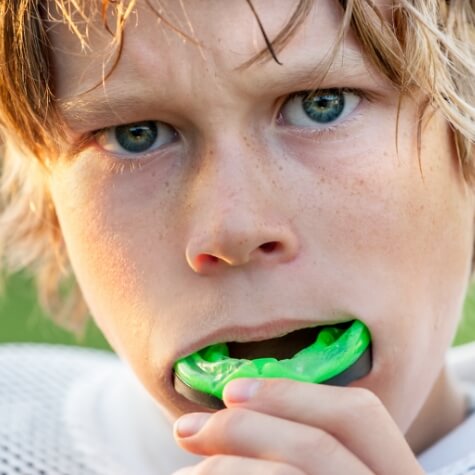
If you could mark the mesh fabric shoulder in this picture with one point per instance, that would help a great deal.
(34, 383)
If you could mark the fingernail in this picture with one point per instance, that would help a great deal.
(190, 424)
(241, 390)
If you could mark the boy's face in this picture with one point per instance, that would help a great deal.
(249, 213)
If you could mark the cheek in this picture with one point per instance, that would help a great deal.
(380, 219)
(110, 244)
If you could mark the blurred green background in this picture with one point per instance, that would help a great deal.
(22, 320)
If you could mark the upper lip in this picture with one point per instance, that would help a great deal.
(266, 331)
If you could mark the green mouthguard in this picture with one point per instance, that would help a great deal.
(334, 350)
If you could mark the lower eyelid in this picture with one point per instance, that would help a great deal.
(331, 130)
(116, 164)
(138, 157)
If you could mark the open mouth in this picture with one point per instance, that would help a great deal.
(282, 347)
(334, 354)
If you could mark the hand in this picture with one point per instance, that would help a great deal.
(278, 426)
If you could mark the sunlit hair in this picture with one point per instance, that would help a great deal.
(427, 46)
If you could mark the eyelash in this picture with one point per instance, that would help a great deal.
(119, 167)
(129, 165)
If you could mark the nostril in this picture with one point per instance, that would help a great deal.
(269, 247)
(206, 259)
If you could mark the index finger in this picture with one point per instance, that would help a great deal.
(354, 416)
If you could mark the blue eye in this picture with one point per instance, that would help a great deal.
(319, 109)
(136, 138)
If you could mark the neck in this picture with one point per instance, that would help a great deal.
(444, 409)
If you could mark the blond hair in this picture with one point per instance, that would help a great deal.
(428, 45)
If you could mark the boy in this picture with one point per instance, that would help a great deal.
(233, 172)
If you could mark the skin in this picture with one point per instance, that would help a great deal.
(172, 253)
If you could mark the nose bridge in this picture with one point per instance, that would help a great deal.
(237, 217)
(229, 195)
(232, 175)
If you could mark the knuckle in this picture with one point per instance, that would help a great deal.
(364, 399)
(326, 443)
(363, 407)
(317, 441)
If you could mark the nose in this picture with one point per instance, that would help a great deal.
(239, 222)
(236, 243)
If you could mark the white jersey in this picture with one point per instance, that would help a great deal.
(454, 454)
(74, 411)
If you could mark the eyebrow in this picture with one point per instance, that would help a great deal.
(117, 98)
(342, 65)
(100, 103)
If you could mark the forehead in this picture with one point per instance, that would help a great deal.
(199, 21)
(224, 34)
